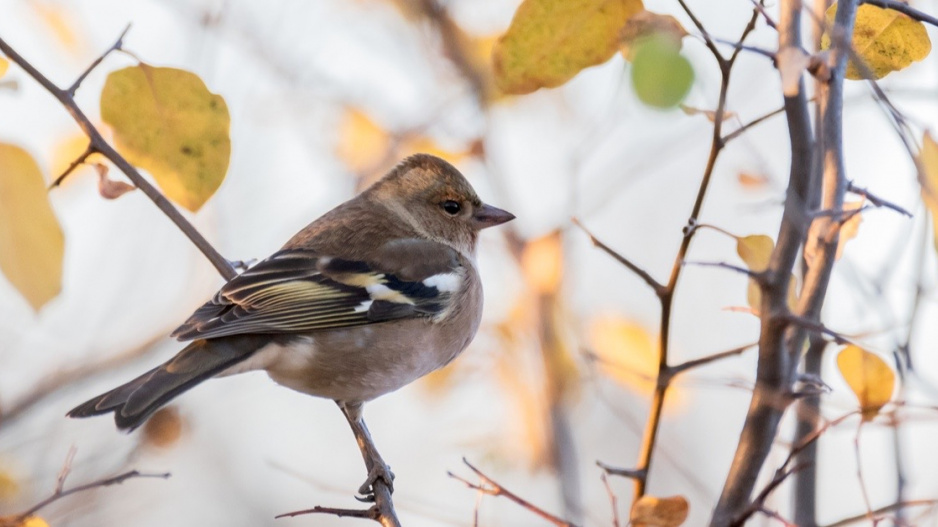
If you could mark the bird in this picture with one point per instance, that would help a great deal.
(376, 293)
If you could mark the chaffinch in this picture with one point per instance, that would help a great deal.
(376, 293)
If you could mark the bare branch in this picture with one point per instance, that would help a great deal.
(613, 501)
(882, 510)
(114, 47)
(694, 363)
(706, 35)
(815, 326)
(623, 472)
(73, 165)
(490, 487)
(370, 513)
(757, 276)
(903, 8)
(641, 273)
(758, 120)
(98, 143)
(876, 200)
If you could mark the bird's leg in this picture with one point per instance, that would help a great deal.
(377, 468)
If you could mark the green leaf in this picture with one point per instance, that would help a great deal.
(32, 245)
(885, 39)
(167, 122)
(661, 76)
(550, 41)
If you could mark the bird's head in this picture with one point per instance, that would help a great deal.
(437, 201)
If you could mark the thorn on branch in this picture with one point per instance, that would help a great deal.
(815, 326)
(490, 487)
(691, 364)
(631, 473)
(114, 47)
(759, 277)
(369, 514)
(876, 200)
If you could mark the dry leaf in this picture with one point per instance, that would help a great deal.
(32, 245)
(110, 188)
(711, 115)
(755, 251)
(751, 181)
(550, 41)
(166, 121)
(791, 63)
(650, 511)
(850, 226)
(928, 159)
(885, 39)
(542, 263)
(645, 24)
(870, 378)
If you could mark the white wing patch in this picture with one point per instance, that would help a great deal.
(445, 282)
(364, 306)
(383, 292)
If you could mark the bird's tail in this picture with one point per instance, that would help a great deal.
(134, 402)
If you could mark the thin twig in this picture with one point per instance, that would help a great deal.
(613, 501)
(876, 200)
(370, 513)
(721, 60)
(903, 8)
(73, 165)
(492, 488)
(814, 326)
(641, 273)
(114, 47)
(758, 120)
(623, 472)
(694, 363)
(101, 145)
(755, 275)
(883, 510)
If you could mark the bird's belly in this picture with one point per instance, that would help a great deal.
(357, 364)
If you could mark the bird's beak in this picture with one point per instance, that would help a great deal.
(489, 216)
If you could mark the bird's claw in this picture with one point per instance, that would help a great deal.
(380, 471)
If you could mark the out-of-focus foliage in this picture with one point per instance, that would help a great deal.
(650, 511)
(32, 245)
(164, 428)
(68, 149)
(928, 159)
(166, 121)
(550, 41)
(870, 378)
(542, 263)
(4, 66)
(627, 352)
(885, 39)
(661, 76)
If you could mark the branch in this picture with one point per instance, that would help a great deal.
(815, 326)
(99, 144)
(641, 273)
(876, 200)
(721, 60)
(903, 8)
(114, 47)
(757, 276)
(694, 363)
(758, 120)
(60, 491)
(883, 510)
(623, 472)
(490, 487)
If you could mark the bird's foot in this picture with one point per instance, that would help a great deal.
(380, 471)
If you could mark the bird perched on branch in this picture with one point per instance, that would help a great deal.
(376, 293)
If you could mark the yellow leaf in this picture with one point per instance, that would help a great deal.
(34, 521)
(645, 24)
(870, 378)
(756, 251)
(550, 41)
(32, 245)
(627, 352)
(928, 158)
(166, 121)
(61, 21)
(4, 65)
(650, 511)
(422, 144)
(542, 263)
(885, 39)
(363, 145)
(8, 486)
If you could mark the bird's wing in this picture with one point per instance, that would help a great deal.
(298, 290)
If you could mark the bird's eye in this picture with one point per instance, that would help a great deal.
(451, 207)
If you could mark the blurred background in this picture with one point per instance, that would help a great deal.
(324, 97)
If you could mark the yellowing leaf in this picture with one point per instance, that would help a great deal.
(885, 39)
(650, 511)
(166, 121)
(4, 65)
(542, 263)
(363, 144)
(34, 521)
(645, 24)
(32, 245)
(756, 251)
(627, 352)
(661, 76)
(928, 159)
(850, 226)
(550, 41)
(870, 378)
